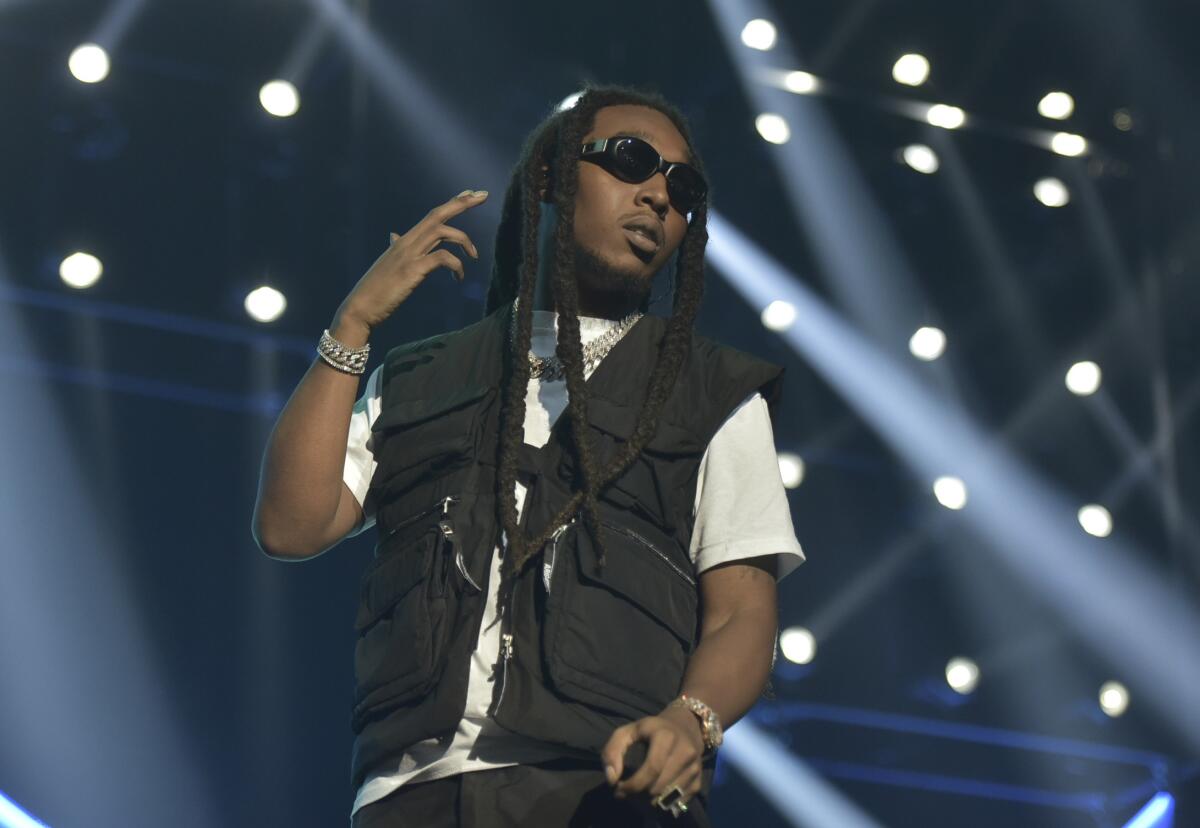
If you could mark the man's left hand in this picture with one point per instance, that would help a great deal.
(673, 757)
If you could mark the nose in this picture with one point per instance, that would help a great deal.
(653, 194)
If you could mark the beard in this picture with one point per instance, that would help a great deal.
(598, 275)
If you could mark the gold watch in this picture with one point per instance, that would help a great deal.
(710, 725)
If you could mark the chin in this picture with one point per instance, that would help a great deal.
(623, 273)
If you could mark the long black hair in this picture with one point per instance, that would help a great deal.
(554, 144)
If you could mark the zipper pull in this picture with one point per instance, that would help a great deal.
(506, 646)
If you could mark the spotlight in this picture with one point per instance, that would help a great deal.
(265, 304)
(1051, 192)
(921, 158)
(280, 98)
(1056, 105)
(1083, 378)
(759, 34)
(962, 675)
(779, 315)
(946, 117)
(927, 343)
(80, 270)
(569, 101)
(1123, 120)
(772, 128)
(791, 469)
(1095, 520)
(951, 492)
(1065, 143)
(1114, 698)
(911, 70)
(797, 645)
(89, 63)
(802, 83)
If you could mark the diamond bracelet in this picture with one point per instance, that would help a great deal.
(342, 357)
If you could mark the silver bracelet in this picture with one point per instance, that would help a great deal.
(341, 356)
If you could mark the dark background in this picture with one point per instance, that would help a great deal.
(159, 669)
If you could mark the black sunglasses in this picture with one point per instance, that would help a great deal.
(633, 160)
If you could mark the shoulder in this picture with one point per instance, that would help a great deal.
(731, 376)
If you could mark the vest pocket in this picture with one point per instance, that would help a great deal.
(618, 638)
(401, 626)
(418, 440)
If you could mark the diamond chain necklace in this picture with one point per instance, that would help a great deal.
(551, 368)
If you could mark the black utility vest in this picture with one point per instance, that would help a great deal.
(600, 647)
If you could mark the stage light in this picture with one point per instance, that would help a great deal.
(569, 101)
(921, 158)
(1095, 520)
(89, 63)
(1123, 120)
(928, 343)
(1056, 105)
(1066, 143)
(759, 34)
(1051, 192)
(772, 128)
(80, 270)
(962, 674)
(951, 492)
(265, 304)
(280, 98)
(911, 70)
(1114, 698)
(802, 83)
(778, 316)
(945, 116)
(1083, 378)
(798, 645)
(791, 469)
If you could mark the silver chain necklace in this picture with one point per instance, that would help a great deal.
(551, 368)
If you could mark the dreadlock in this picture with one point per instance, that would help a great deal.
(555, 144)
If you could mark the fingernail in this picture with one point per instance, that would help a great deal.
(479, 193)
(463, 193)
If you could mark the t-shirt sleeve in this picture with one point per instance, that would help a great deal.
(741, 508)
(360, 450)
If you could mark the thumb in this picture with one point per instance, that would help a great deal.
(614, 753)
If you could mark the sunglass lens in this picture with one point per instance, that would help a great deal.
(686, 187)
(635, 159)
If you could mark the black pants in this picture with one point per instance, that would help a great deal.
(559, 794)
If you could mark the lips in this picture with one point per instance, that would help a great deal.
(644, 233)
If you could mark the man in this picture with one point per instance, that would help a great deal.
(547, 590)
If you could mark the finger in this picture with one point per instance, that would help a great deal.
(613, 753)
(444, 258)
(459, 204)
(676, 770)
(661, 742)
(443, 233)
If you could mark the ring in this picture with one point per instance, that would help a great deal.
(677, 806)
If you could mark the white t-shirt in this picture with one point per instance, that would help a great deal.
(741, 511)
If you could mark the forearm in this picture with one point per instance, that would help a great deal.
(730, 667)
(301, 476)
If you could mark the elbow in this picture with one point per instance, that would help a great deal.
(277, 546)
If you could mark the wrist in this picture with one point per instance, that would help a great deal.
(688, 721)
(350, 330)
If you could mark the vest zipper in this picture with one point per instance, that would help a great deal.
(632, 534)
(558, 533)
(443, 504)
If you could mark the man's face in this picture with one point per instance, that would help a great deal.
(611, 258)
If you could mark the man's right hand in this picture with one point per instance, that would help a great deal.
(408, 260)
